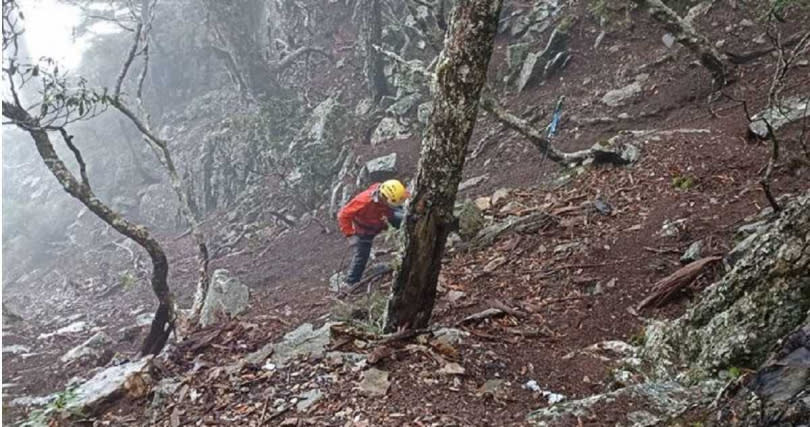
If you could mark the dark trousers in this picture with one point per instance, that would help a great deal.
(361, 250)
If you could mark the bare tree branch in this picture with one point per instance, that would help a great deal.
(128, 61)
(76, 153)
(294, 55)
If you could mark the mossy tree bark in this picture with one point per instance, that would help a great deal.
(163, 322)
(460, 75)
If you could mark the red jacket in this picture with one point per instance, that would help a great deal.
(363, 215)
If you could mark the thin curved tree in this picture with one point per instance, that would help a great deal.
(63, 102)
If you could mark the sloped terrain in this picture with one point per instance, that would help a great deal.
(557, 288)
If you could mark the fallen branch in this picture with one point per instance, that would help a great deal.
(598, 154)
(401, 336)
(477, 317)
(667, 287)
(385, 269)
(508, 310)
(746, 57)
(511, 121)
(686, 34)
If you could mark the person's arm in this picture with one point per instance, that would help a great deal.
(347, 213)
(395, 219)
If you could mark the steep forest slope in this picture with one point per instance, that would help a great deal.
(543, 315)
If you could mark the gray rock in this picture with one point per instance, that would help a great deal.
(357, 360)
(389, 129)
(363, 107)
(130, 380)
(534, 20)
(630, 153)
(663, 400)
(375, 382)
(739, 250)
(741, 316)
(617, 97)
(304, 341)
(669, 40)
(226, 296)
(470, 220)
(164, 389)
(385, 164)
(308, 399)
(92, 348)
(672, 228)
(555, 64)
(515, 55)
(791, 110)
(692, 253)
(317, 131)
(483, 203)
(453, 296)
(336, 281)
(28, 401)
(407, 79)
(784, 379)
(535, 65)
(746, 230)
(403, 105)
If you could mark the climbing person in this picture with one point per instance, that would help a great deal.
(365, 216)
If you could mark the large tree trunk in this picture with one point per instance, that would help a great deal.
(371, 28)
(163, 323)
(686, 34)
(460, 74)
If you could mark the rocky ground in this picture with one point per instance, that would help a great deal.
(518, 317)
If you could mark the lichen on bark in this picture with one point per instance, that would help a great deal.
(460, 76)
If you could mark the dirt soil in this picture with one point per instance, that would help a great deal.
(567, 286)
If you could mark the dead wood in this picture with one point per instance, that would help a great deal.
(402, 336)
(481, 315)
(508, 310)
(750, 56)
(666, 288)
(686, 34)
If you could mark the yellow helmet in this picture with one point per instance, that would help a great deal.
(393, 192)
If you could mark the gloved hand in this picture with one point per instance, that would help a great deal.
(353, 239)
